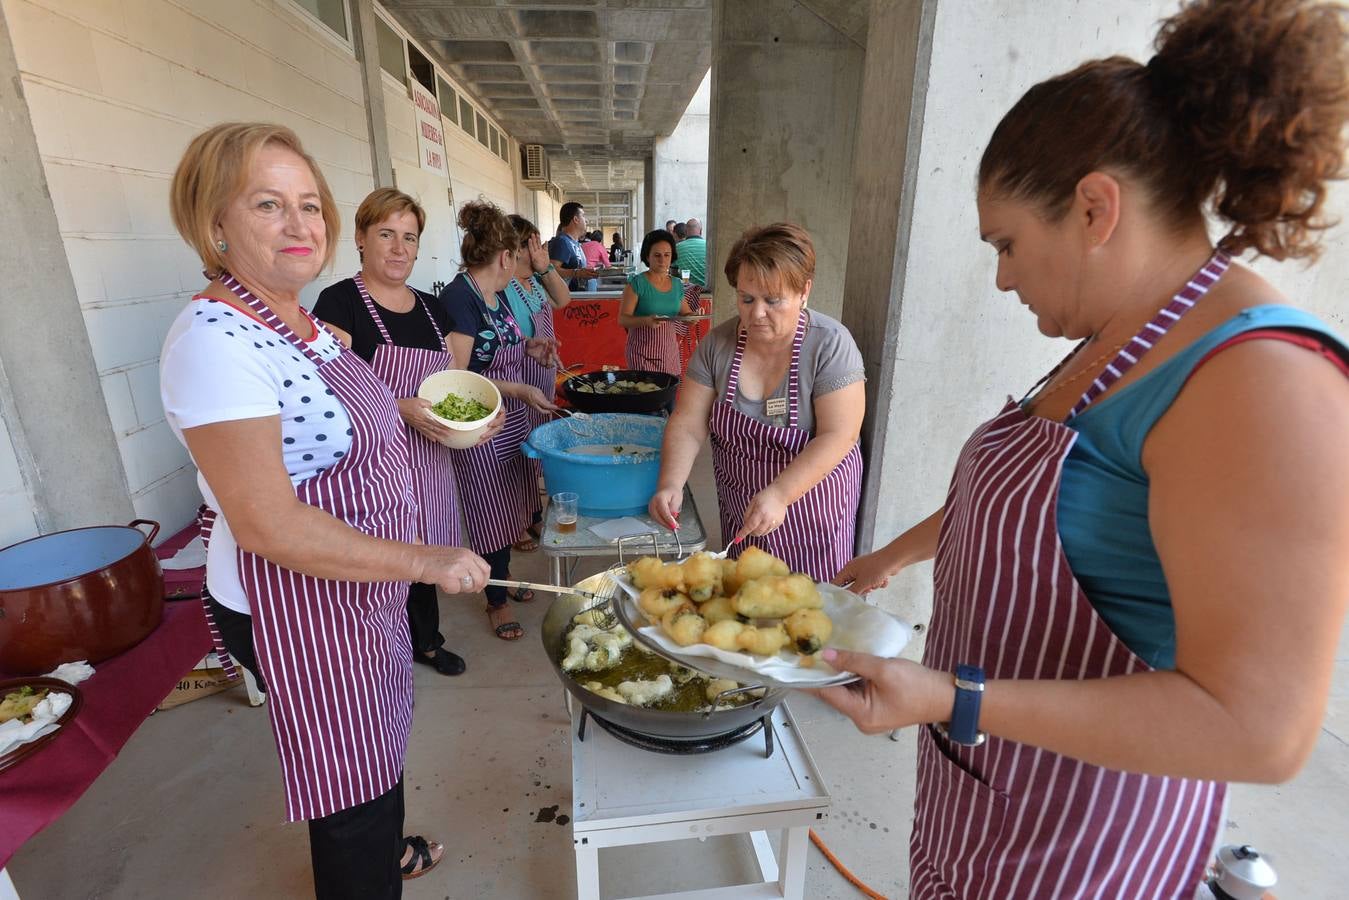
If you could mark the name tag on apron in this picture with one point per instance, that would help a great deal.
(776, 406)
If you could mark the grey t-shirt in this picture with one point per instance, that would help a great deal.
(829, 360)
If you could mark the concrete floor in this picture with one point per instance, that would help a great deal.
(192, 808)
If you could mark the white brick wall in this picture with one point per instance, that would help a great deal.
(115, 91)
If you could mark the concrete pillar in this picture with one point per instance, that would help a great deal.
(365, 39)
(680, 162)
(889, 131)
(785, 86)
(647, 217)
(50, 396)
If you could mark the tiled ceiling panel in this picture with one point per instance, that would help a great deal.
(574, 75)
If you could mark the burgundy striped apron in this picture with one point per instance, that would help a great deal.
(499, 490)
(403, 369)
(816, 537)
(653, 349)
(1007, 819)
(542, 377)
(206, 524)
(336, 654)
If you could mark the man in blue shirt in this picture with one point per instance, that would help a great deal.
(565, 250)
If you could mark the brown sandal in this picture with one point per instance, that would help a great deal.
(423, 856)
(507, 631)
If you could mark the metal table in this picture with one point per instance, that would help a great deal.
(624, 796)
(563, 550)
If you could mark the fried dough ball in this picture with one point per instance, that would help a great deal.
(765, 641)
(725, 635)
(730, 580)
(647, 572)
(776, 597)
(809, 629)
(718, 609)
(702, 577)
(684, 625)
(656, 602)
(755, 563)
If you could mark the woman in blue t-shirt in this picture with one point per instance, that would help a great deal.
(497, 484)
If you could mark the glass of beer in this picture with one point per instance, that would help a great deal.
(564, 511)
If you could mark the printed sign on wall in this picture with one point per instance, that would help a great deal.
(430, 133)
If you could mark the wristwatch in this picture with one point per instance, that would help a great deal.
(551, 268)
(964, 725)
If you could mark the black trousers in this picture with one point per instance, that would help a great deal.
(424, 618)
(236, 632)
(500, 563)
(356, 852)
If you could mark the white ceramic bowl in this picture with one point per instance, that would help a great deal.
(471, 386)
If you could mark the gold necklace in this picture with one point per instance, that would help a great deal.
(1039, 398)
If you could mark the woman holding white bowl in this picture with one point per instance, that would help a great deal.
(401, 332)
(487, 339)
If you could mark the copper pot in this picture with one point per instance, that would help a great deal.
(86, 593)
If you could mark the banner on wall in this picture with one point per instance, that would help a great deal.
(430, 132)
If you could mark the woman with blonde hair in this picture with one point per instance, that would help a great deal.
(303, 463)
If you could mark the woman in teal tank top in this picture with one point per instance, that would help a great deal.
(1159, 611)
(650, 300)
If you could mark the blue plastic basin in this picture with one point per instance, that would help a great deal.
(608, 485)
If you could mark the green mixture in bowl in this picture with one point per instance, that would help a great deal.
(461, 409)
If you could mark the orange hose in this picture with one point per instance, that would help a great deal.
(843, 870)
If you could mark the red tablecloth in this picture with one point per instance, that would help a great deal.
(119, 696)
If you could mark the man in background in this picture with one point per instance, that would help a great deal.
(693, 252)
(565, 250)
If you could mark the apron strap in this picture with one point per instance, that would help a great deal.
(793, 373)
(273, 321)
(379, 321)
(1166, 318)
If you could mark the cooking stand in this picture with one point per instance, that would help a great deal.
(623, 796)
(563, 550)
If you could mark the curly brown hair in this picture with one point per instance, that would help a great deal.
(487, 232)
(1243, 107)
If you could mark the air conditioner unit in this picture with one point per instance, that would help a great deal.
(534, 163)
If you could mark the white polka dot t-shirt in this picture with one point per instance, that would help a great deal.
(220, 364)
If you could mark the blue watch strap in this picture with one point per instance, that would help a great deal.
(964, 727)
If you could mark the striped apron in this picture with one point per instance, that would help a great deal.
(654, 349)
(1007, 819)
(499, 488)
(336, 654)
(543, 378)
(816, 537)
(403, 369)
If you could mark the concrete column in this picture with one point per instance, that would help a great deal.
(785, 86)
(647, 217)
(680, 162)
(50, 396)
(365, 39)
(889, 131)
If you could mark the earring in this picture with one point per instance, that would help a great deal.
(221, 246)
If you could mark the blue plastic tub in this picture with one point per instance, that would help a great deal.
(609, 484)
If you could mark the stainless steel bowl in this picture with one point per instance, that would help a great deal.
(657, 722)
